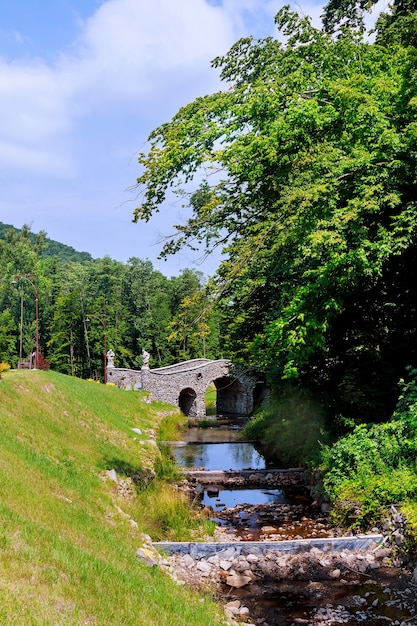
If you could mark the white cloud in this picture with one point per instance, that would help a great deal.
(31, 107)
(126, 51)
(129, 49)
(35, 159)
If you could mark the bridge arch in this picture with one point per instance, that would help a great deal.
(187, 401)
(184, 385)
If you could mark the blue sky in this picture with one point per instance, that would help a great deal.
(83, 82)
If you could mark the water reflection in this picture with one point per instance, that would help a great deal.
(227, 498)
(220, 456)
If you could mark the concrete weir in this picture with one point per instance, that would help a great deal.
(204, 550)
(280, 477)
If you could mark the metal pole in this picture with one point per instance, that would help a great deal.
(34, 284)
(37, 328)
(21, 326)
(105, 351)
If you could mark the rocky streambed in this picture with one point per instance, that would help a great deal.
(280, 563)
(319, 586)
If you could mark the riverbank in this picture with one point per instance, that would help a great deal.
(76, 461)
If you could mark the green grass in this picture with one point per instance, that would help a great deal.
(210, 400)
(67, 550)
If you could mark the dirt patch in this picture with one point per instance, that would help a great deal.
(48, 388)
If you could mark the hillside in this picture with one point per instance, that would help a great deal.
(51, 248)
(67, 536)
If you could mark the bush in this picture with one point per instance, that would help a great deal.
(364, 500)
(375, 465)
(409, 510)
(4, 367)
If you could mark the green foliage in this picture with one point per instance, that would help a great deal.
(172, 424)
(85, 303)
(50, 248)
(409, 510)
(396, 26)
(407, 400)
(311, 151)
(7, 337)
(364, 500)
(210, 399)
(375, 465)
(291, 428)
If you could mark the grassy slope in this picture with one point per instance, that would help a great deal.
(67, 553)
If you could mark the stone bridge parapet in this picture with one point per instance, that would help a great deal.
(185, 385)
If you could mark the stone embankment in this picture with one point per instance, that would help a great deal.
(341, 580)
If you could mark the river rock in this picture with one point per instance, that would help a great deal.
(111, 474)
(188, 561)
(268, 530)
(241, 564)
(252, 558)
(233, 604)
(256, 478)
(204, 568)
(238, 580)
(382, 553)
(146, 556)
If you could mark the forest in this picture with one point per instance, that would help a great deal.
(87, 306)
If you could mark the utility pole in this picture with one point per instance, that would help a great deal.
(32, 279)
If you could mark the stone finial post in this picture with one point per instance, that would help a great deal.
(145, 359)
(110, 358)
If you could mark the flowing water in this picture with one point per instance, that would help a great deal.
(222, 448)
(219, 456)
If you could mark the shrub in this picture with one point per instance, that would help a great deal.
(4, 367)
(375, 465)
(365, 499)
(409, 510)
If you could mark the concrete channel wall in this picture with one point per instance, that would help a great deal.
(199, 550)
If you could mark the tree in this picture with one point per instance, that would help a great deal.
(8, 334)
(397, 26)
(311, 160)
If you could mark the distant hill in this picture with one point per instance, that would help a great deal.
(52, 248)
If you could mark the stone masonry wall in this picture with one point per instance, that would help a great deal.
(185, 384)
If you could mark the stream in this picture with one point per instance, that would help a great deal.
(263, 514)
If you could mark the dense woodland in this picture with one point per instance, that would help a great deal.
(80, 297)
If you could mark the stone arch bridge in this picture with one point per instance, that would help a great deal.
(185, 384)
